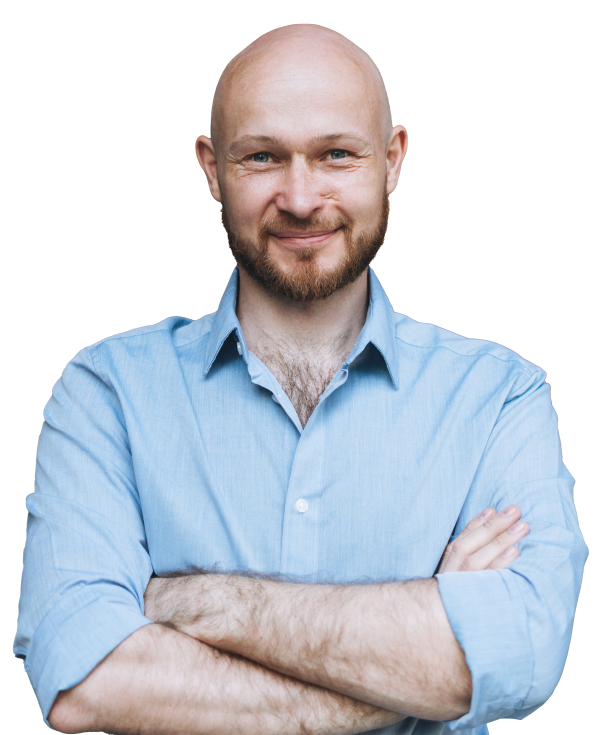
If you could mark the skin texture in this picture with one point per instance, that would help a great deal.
(380, 643)
(294, 98)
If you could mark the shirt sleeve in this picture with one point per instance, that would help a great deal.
(514, 625)
(86, 564)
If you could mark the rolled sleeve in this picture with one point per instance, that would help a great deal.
(514, 625)
(86, 564)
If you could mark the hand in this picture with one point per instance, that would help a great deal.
(487, 542)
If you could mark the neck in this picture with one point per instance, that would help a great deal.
(268, 320)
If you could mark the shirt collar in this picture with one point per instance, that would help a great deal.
(378, 330)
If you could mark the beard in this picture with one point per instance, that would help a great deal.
(307, 281)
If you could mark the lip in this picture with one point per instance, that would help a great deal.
(302, 238)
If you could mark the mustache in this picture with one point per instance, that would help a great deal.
(285, 222)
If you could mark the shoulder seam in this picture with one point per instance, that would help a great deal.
(460, 354)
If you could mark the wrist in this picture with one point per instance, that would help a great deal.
(212, 609)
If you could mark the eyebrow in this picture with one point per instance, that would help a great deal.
(268, 140)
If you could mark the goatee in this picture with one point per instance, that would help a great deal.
(307, 281)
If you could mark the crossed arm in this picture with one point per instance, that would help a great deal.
(387, 644)
(213, 661)
(238, 654)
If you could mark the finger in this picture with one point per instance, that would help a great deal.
(483, 533)
(505, 558)
(466, 545)
(470, 526)
(489, 553)
(476, 522)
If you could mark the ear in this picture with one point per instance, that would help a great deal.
(207, 169)
(395, 153)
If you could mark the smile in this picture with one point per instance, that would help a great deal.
(303, 239)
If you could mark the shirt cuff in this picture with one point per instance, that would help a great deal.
(75, 635)
(489, 620)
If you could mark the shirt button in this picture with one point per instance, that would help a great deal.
(301, 505)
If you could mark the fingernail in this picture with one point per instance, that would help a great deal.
(486, 513)
(509, 552)
(509, 511)
(517, 527)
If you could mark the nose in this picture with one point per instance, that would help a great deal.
(301, 192)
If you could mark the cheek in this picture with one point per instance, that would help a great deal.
(247, 199)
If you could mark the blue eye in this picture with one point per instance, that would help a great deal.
(260, 154)
(333, 150)
(337, 153)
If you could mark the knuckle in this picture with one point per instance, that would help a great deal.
(493, 523)
(457, 546)
(467, 565)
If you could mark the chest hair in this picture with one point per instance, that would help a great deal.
(303, 372)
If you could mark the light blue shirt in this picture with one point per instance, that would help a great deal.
(172, 447)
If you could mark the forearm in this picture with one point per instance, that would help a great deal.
(388, 644)
(160, 682)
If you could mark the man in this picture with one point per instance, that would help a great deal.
(313, 451)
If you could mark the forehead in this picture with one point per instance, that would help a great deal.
(300, 96)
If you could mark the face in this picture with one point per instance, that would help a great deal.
(303, 168)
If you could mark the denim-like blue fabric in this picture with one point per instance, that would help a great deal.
(172, 447)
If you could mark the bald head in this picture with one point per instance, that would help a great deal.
(289, 66)
(302, 158)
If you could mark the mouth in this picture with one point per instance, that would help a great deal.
(303, 239)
